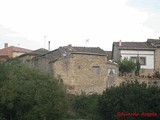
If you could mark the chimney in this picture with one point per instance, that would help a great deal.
(5, 45)
(120, 43)
(49, 45)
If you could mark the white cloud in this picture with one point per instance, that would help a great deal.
(73, 21)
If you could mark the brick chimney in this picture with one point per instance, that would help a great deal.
(5, 45)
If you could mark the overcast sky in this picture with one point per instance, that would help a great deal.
(24, 23)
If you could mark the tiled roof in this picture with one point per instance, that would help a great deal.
(68, 50)
(154, 42)
(18, 49)
(37, 52)
(9, 50)
(40, 51)
(134, 45)
(89, 50)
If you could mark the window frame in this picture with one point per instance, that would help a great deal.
(140, 58)
(96, 69)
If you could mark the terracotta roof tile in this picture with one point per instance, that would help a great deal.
(9, 50)
(37, 52)
(18, 49)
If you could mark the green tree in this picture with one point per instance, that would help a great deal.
(28, 94)
(84, 106)
(138, 67)
(126, 65)
(130, 97)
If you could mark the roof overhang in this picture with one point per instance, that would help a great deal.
(145, 49)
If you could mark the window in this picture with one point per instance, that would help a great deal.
(142, 60)
(134, 59)
(96, 70)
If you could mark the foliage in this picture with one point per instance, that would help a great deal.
(28, 94)
(126, 65)
(138, 67)
(130, 97)
(84, 106)
(156, 74)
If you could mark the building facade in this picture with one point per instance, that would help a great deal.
(82, 69)
(147, 52)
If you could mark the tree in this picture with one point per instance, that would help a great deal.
(28, 94)
(130, 97)
(84, 106)
(126, 65)
(138, 67)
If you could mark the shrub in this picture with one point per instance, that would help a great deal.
(130, 97)
(28, 94)
(126, 65)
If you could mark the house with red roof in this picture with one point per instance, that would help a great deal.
(12, 52)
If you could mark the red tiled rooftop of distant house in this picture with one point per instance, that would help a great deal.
(8, 51)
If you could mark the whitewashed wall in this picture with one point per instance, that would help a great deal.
(133, 53)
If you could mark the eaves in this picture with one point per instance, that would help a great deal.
(146, 49)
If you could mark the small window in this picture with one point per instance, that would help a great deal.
(142, 60)
(96, 70)
(134, 59)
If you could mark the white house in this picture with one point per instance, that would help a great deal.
(145, 51)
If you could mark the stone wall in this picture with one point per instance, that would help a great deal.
(146, 73)
(148, 81)
(81, 72)
(157, 59)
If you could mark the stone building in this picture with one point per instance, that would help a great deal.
(81, 68)
(156, 44)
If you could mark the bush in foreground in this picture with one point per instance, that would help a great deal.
(28, 94)
(130, 97)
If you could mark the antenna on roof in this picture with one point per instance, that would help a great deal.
(45, 41)
(87, 41)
